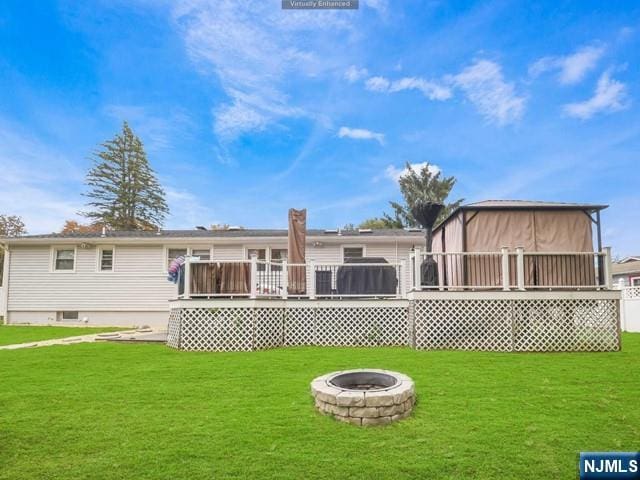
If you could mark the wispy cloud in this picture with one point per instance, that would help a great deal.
(495, 99)
(360, 134)
(255, 49)
(157, 130)
(353, 73)
(430, 89)
(610, 96)
(571, 68)
(394, 173)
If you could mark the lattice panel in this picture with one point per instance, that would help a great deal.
(517, 325)
(173, 332)
(217, 329)
(463, 324)
(299, 326)
(566, 325)
(362, 326)
(631, 293)
(268, 328)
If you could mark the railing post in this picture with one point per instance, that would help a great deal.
(284, 279)
(505, 269)
(520, 267)
(401, 278)
(187, 277)
(254, 277)
(608, 275)
(312, 279)
(417, 278)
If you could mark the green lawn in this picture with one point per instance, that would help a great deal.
(10, 334)
(113, 411)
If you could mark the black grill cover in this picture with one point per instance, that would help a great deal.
(366, 280)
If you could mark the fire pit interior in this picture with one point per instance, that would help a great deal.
(363, 380)
(364, 397)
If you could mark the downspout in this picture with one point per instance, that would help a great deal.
(5, 283)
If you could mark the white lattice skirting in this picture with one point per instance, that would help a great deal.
(577, 321)
(257, 327)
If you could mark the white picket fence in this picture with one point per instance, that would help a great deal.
(630, 309)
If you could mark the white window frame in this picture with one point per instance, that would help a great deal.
(53, 257)
(267, 253)
(165, 252)
(353, 245)
(99, 251)
(633, 279)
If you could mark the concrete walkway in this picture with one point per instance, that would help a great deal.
(129, 335)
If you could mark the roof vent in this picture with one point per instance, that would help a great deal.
(364, 230)
(331, 230)
(200, 227)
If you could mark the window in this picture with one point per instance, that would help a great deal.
(352, 252)
(69, 316)
(106, 260)
(201, 253)
(635, 282)
(261, 253)
(278, 255)
(173, 253)
(64, 259)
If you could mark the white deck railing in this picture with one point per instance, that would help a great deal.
(456, 271)
(515, 270)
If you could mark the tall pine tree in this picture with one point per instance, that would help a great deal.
(124, 191)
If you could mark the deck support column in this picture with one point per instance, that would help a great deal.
(284, 280)
(608, 277)
(312, 279)
(187, 277)
(520, 267)
(505, 268)
(254, 277)
(417, 279)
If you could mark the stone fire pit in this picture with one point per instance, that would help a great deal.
(364, 397)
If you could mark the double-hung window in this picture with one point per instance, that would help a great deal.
(173, 253)
(352, 252)
(278, 255)
(64, 259)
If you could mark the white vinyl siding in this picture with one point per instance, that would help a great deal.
(138, 283)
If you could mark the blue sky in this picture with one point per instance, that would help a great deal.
(246, 109)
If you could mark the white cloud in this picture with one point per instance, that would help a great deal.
(360, 134)
(610, 96)
(571, 68)
(431, 90)
(377, 84)
(256, 50)
(394, 173)
(485, 86)
(353, 73)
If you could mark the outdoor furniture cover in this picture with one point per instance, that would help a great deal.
(297, 237)
(366, 280)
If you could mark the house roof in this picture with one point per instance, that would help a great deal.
(522, 205)
(204, 234)
(621, 268)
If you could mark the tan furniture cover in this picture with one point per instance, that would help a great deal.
(297, 237)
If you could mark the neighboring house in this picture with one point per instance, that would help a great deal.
(626, 272)
(120, 278)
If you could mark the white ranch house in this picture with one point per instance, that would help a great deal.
(120, 278)
(511, 276)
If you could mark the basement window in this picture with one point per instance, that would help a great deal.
(68, 316)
